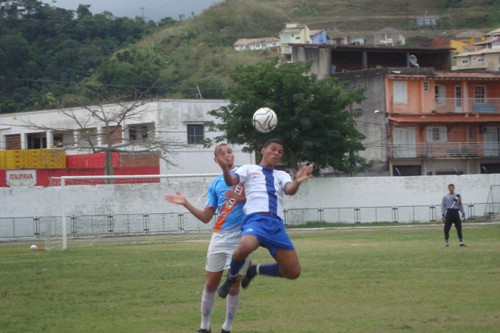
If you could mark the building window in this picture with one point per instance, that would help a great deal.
(37, 141)
(140, 132)
(13, 142)
(427, 86)
(440, 94)
(464, 61)
(195, 133)
(480, 94)
(437, 134)
(400, 92)
(479, 59)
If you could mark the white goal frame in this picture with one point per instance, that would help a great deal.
(64, 180)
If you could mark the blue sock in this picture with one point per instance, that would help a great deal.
(269, 269)
(234, 269)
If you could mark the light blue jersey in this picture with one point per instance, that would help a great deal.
(230, 213)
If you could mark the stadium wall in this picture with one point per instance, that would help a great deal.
(315, 193)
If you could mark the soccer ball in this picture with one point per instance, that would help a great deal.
(33, 247)
(264, 120)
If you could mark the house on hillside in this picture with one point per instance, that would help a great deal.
(349, 38)
(491, 40)
(485, 59)
(293, 33)
(319, 37)
(466, 41)
(257, 44)
(388, 36)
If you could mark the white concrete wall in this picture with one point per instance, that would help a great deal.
(315, 193)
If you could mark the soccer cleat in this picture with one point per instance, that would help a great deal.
(224, 331)
(462, 244)
(249, 276)
(224, 288)
(203, 330)
(446, 245)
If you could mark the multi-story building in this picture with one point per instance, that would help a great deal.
(293, 33)
(418, 117)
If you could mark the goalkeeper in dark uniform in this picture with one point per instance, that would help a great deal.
(451, 207)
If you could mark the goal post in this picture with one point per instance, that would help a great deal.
(128, 205)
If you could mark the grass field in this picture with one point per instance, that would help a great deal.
(369, 280)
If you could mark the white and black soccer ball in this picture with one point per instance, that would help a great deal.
(264, 120)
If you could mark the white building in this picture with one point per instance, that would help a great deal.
(257, 44)
(182, 121)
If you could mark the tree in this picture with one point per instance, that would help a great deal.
(111, 119)
(316, 117)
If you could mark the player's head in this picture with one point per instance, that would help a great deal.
(451, 188)
(268, 142)
(224, 150)
(272, 152)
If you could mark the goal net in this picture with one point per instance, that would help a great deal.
(493, 206)
(125, 208)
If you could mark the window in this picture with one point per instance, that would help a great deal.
(37, 141)
(464, 61)
(458, 98)
(440, 94)
(480, 94)
(400, 92)
(427, 86)
(437, 134)
(13, 141)
(479, 59)
(140, 132)
(195, 133)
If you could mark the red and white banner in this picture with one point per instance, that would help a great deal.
(20, 178)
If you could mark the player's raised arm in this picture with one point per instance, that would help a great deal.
(204, 215)
(221, 159)
(303, 174)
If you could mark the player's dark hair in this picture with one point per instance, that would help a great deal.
(451, 185)
(268, 142)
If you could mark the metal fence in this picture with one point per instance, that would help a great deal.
(185, 223)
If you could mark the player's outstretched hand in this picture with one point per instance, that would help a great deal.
(177, 198)
(305, 172)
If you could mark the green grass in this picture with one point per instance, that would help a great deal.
(377, 280)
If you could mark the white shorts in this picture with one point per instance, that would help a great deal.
(220, 251)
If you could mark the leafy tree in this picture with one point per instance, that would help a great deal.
(316, 118)
(48, 50)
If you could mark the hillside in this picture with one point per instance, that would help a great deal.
(200, 48)
(52, 59)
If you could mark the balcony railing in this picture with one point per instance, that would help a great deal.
(463, 105)
(445, 150)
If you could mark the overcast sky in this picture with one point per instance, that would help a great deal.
(151, 9)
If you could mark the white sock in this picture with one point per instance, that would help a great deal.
(207, 304)
(232, 303)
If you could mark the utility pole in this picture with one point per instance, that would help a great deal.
(142, 10)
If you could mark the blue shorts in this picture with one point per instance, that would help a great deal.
(269, 230)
